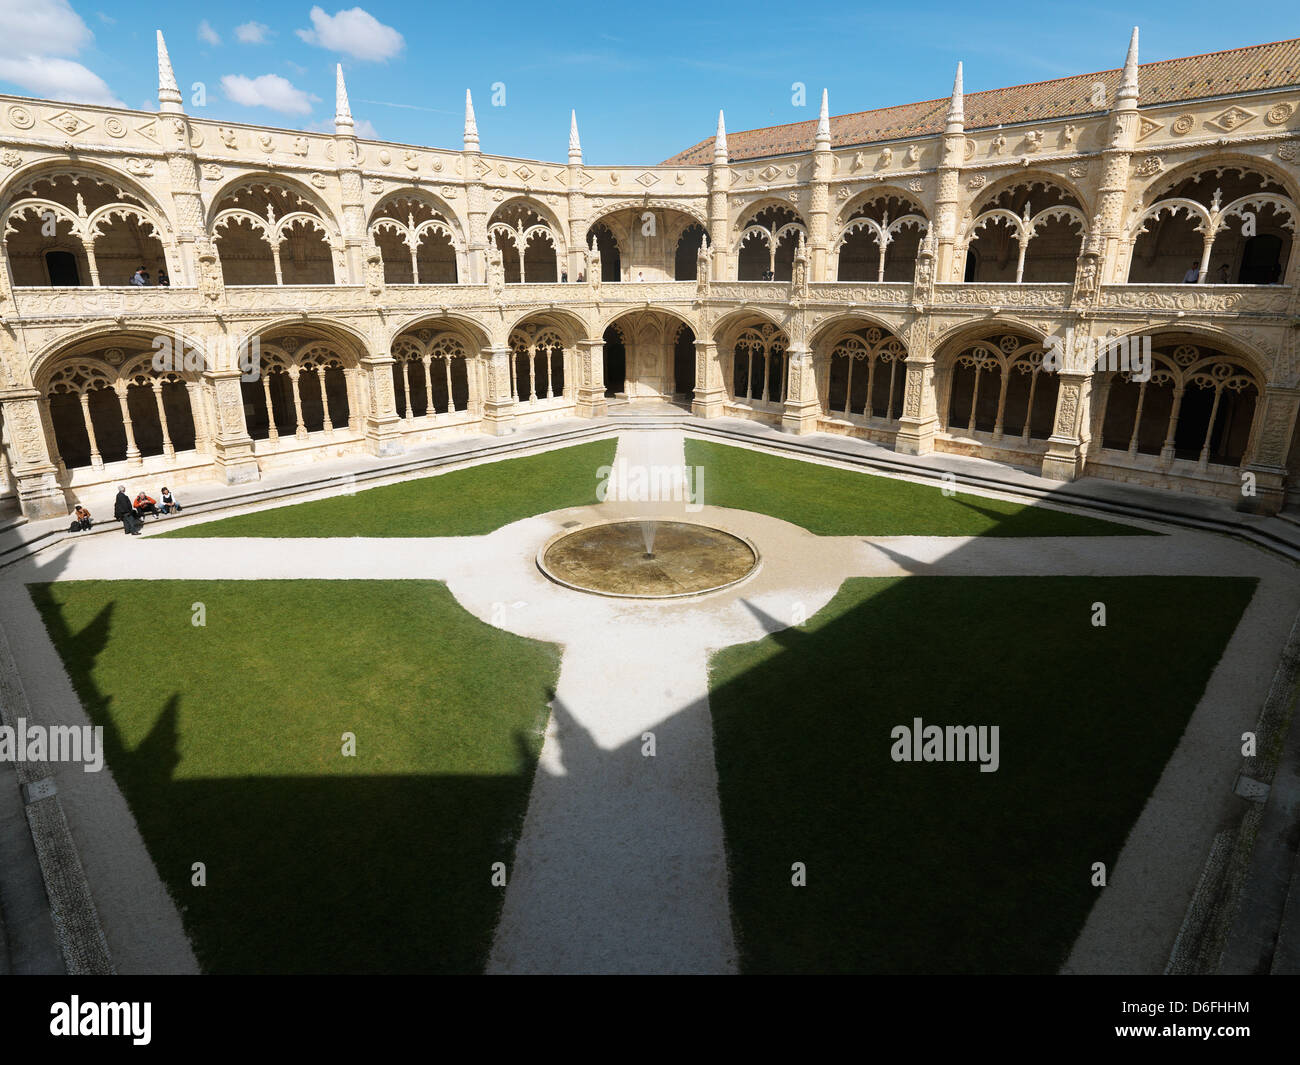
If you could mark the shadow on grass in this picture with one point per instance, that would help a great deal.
(342, 872)
(936, 867)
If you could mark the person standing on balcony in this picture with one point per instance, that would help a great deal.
(1193, 275)
(140, 278)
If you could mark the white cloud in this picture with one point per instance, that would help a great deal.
(207, 34)
(108, 20)
(58, 79)
(252, 33)
(48, 28)
(354, 32)
(37, 46)
(299, 70)
(268, 90)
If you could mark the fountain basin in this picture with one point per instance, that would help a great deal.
(647, 559)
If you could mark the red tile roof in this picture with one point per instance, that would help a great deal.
(1238, 70)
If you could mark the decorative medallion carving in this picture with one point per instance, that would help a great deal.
(1279, 113)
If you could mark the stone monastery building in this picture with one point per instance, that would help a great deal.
(933, 277)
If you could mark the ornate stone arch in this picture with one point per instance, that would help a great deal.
(1061, 221)
(884, 190)
(612, 317)
(434, 201)
(1163, 229)
(1149, 190)
(302, 191)
(1031, 177)
(31, 173)
(126, 212)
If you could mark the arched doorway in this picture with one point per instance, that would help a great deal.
(615, 363)
(652, 352)
(684, 364)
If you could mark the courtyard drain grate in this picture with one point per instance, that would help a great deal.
(1250, 789)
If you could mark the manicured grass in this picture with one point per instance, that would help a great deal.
(934, 866)
(469, 502)
(835, 502)
(226, 741)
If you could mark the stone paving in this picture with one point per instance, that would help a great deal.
(621, 864)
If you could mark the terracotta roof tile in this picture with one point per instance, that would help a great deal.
(1237, 70)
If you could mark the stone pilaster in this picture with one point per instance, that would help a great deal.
(232, 447)
(710, 390)
(591, 379)
(1065, 447)
(35, 471)
(719, 210)
(948, 194)
(189, 212)
(1268, 489)
(382, 426)
(354, 218)
(498, 403)
(802, 407)
(1112, 188)
(820, 196)
(919, 422)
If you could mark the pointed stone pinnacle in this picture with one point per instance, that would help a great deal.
(169, 94)
(956, 106)
(1128, 83)
(342, 112)
(575, 146)
(471, 126)
(823, 138)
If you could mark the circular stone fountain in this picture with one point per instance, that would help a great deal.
(648, 559)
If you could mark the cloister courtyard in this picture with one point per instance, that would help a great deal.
(860, 543)
(547, 779)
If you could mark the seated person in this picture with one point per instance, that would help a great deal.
(80, 520)
(169, 501)
(145, 504)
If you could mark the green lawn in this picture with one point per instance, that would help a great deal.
(226, 741)
(835, 502)
(937, 867)
(468, 502)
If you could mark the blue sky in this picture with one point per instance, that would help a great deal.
(646, 80)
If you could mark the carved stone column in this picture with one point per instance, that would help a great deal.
(476, 196)
(498, 402)
(187, 200)
(1276, 421)
(917, 426)
(802, 407)
(232, 447)
(1065, 447)
(591, 401)
(383, 428)
(710, 390)
(353, 216)
(34, 470)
